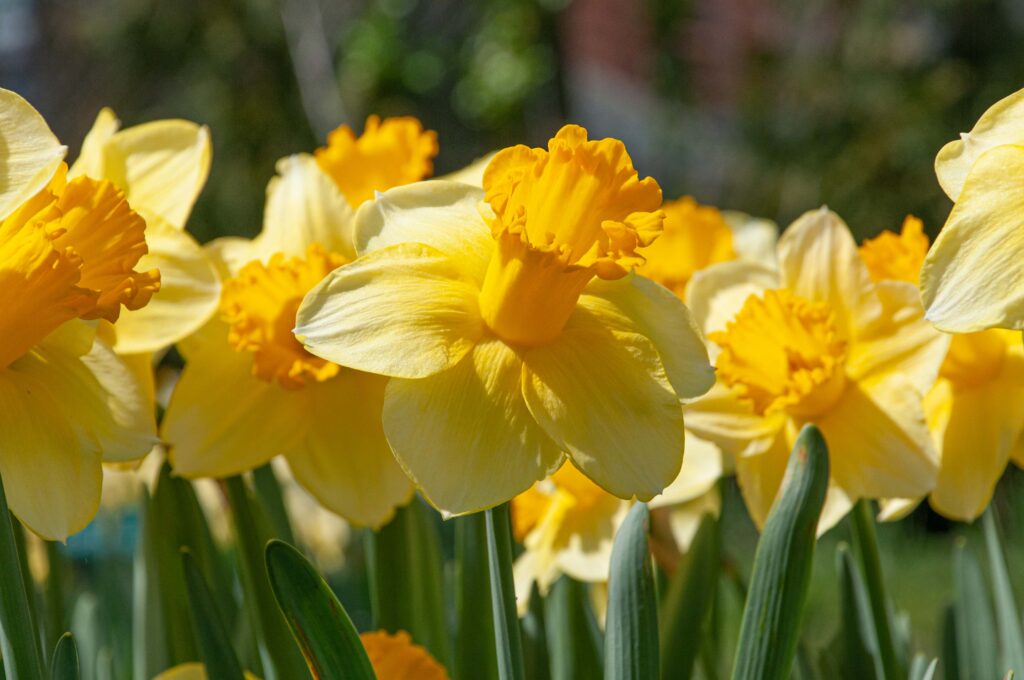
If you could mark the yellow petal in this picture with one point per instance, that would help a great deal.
(702, 466)
(222, 420)
(91, 159)
(228, 254)
(898, 340)
(444, 215)
(465, 436)
(760, 476)
(819, 261)
(878, 442)
(1002, 123)
(188, 296)
(894, 509)
(394, 656)
(634, 304)
(29, 153)
(985, 423)
(191, 671)
(973, 276)
(754, 238)
(603, 396)
(406, 311)
(161, 166)
(716, 294)
(721, 417)
(346, 462)
(587, 554)
(305, 207)
(684, 519)
(49, 459)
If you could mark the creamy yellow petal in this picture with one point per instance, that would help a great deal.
(634, 304)
(894, 509)
(754, 238)
(731, 424)
(191, 671)
(188, 296)
(973, 276)
(819, 261)
(588, 553)
(716, 294)
(684, 519)
(228, 254)
(49, 459)
(1002, 123)
(472, 174)
(759, 477)
(899, 340)
(444, 215)
(702, 467)
(465, 436)
(304, 206)
(837, 505)
(603, 396)
(29, 152)
(161, 166)
(91, 159)
(878, 441)
(346, 462)
(406, 311)
(222, 420)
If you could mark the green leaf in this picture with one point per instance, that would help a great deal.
(631, 625)
(687, 605)
(323, 630)
(974, 626)
(1011, 639)
(268, 490)
(475, 657)
(536, 664)
(18, 641)
(280, 658)
(150, 652)
(574, 638)
(950, 662)
(508, 642)
(64, 665)
(55, 593)
(922, 669)
(858, 657)
(214, 640)
(406, 585)
(782, 565)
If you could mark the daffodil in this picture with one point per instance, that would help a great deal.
(976, 407)
(70, 252)
(816, 340)
(973, 277)
(249, 390)
(512, 329)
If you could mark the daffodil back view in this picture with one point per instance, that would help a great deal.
(512, 330)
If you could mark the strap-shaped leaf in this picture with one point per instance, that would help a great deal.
(214, 641)
(1011, 639)
(22, 659)
(64, 665)
(631, 625)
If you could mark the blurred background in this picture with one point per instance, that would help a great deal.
(771, 108)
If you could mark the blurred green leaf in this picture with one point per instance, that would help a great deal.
(631, 624)
(782, 565)
(866, 543)
(268, 490)
(574, 638)
(150, 653)
(974, 626)
(64, 665)
(507, 638)
(18, 641)
(1011, 638)
(536, 663)
(475, 657)
(858, 657)
(319, 624)
(922, 669)
(214, 641)
(406, 586)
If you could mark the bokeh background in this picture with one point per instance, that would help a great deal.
(771, 108)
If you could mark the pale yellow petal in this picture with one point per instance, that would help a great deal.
(129, 392)
(304, 206)
(228, 254)
(878, 441)
(702, 467)
(754, 238)
(346, 462)
(472, 174)
(635, 304)
(730, 423)
(444, 215)
(29, 152)
(819, 261)
(222, 420)
(188, 296)
(684, 519)
(191, 671)
(894, 509)
(91, 159)
(406, 311)
(714, 295)
(603, 396)
(973, 276)
(898, 340)
(465, 435)
(587, 554)
(1002, 123)
(759, 477)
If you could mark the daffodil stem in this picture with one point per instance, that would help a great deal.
(503, 596)
(18, 640)
(866, 541)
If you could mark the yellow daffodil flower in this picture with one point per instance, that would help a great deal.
(512, 328)
(816, 340)
(973, 277)
(976, 407)
(249, 390)
(70, 252)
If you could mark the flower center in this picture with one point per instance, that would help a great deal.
(782, 352)
(897, 257)
(259, 305)
(695, 237)
(69, 252)
(388, 154)
(560, 217)
(975, 358)
(556, 502)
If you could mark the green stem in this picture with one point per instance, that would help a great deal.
(55, 625)
(18, 640)
(867, 548)
(503, 596)
(268, 488)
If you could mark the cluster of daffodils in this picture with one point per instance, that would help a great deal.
(540, 328)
